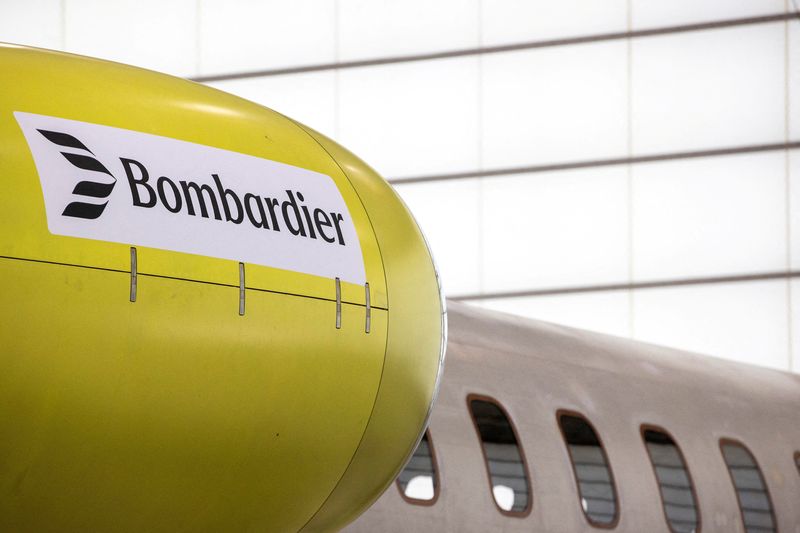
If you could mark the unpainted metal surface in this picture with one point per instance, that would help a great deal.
(535, 368)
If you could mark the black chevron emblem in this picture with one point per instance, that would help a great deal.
(88, 188)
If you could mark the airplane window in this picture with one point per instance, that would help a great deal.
(505, 462)
(594, 478)
(754, 501)
(674, 481)
(419, 481)
(797, 461)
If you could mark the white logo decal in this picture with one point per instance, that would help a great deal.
(129, 187)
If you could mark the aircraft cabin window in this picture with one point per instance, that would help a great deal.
(505, 462)
(754, 501)
(674, 481)
(419, 480)
(592, 474)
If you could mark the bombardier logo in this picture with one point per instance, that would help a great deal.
(215, 202)
(92, 189)
(192, 198)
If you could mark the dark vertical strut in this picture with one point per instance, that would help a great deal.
(369, 308)
(338, 303)
(134, 269)
(241, 289)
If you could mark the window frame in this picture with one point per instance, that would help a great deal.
(659, 429)
(436, 479)
(617, 507)
(484, 398)
(727, 440)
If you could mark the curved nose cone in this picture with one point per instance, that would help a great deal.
(212, 317)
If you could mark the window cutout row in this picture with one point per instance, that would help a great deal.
(598, 495)
(508, 472)
(419, 480)
(505, 460)
(751, 492)
(674, 481)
